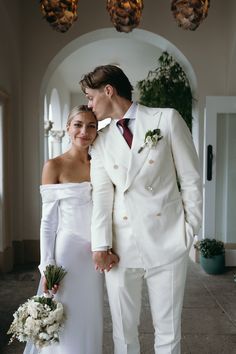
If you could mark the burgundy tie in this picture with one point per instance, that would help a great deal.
(126, 131)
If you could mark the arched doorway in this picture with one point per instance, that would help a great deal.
(136, 53)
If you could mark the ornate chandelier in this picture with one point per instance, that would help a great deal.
(59, 13)
(125, 14)
(190, 13)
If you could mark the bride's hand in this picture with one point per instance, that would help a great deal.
(45, 289)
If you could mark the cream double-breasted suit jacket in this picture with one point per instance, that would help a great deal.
(138, 209)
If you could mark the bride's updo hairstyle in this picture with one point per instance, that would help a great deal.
(77, 110)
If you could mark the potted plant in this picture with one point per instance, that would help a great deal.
(167, 87)
(212, 255)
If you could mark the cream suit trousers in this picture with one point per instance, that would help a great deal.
(165, 289)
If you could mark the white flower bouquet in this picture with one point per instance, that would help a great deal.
(40, 318)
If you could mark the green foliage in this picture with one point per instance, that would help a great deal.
(210, 247)
(151, 133)
(167, 87)
(46, 301)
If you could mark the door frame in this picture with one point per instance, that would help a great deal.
(214, 105)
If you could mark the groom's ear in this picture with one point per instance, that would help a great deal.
(109, 90)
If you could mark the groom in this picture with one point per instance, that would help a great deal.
(139, 211)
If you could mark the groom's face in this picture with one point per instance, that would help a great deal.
(99, 101)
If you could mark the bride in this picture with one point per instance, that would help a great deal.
(65, 240)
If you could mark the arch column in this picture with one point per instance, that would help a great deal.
(56, 144)
(48, 124)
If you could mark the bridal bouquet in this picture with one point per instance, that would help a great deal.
(40, 318)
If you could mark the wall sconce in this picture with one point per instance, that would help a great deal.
(60, 14)
(125, 14)
(190, 13)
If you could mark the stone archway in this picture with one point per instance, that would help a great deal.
(99, 39)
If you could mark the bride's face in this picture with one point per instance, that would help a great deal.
(83, 129)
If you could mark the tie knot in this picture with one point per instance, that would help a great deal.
(123, 122)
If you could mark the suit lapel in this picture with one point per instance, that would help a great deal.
(144, 122)
(118, 146)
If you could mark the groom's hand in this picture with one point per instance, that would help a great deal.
(100, 259)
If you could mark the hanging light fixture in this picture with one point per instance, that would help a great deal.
(125, 14)
(190, 13)
(60, 14)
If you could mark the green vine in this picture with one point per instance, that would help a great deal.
(167, 87)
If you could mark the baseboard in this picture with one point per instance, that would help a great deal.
(230, 258)
(21, 252)
(6, 260)
(230, 255)
(26, 251)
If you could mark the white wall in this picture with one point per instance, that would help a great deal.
(231, 43)
(10, 84)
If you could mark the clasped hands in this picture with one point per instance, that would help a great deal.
(105, 260)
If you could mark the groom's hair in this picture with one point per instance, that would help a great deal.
(108, 75)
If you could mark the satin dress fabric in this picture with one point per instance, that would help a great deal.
(67, 209)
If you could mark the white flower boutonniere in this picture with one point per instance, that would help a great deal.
(151, 139)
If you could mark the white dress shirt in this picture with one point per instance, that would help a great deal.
(131, 115)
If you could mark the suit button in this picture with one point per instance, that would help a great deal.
(151, 162)
(158, 214)
(115, 167)
(125, 217)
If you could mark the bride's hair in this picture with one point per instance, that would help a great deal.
(77, 110)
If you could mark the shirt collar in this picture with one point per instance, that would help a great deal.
(131, 113)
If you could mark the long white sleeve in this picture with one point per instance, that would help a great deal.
(103, 194)
(48, 230)
(187, 169)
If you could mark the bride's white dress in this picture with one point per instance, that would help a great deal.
(65, 241)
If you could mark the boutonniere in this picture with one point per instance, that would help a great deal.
(151, 139)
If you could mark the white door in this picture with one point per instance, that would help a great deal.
(219, 174)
